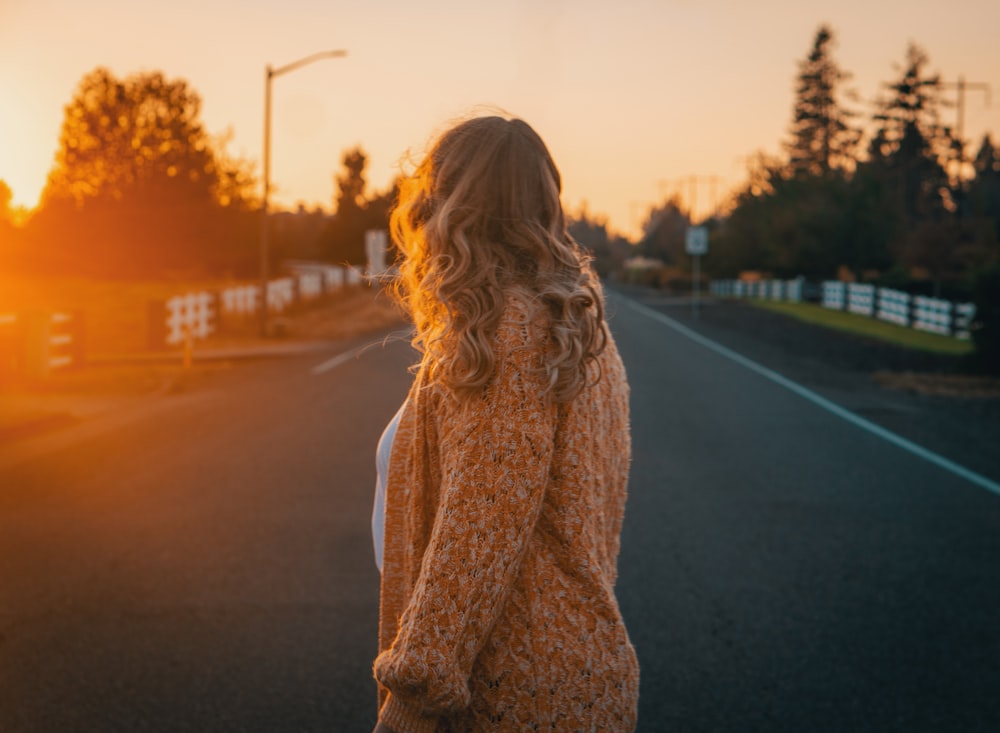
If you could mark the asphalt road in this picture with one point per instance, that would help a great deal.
(203, 562)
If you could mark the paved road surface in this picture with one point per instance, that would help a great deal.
(203, 563)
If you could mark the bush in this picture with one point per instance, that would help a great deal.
(986, 327)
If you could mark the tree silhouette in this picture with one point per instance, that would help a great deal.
(591, 232)
(664, 231)
(822, 136)
(139, 187)
(906, 155)
(137, 138)
(6, 219)
(351, 181)
(982, 212)
(356, 212)
(6, 196)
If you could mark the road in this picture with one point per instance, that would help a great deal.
(203, 562)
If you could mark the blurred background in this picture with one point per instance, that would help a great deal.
(794, 207)
(812, 141)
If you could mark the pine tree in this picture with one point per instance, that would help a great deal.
(907, 154)
(982, 214)
(822, 136)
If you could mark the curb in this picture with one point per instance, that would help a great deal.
(235, 353)
(36, 425)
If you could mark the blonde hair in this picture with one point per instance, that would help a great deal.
(479, 221)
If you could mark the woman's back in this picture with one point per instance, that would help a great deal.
(508, 543)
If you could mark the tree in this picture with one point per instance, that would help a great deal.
(139, 187)
(6, 219)
(138, 138)
(351, 181)
(356, 212)
(907, 154)
(6, 196)
(663, 233)
(591, 232)
(982, 212)
(822, 136)
(986, 332)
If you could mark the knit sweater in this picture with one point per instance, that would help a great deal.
(503, 517)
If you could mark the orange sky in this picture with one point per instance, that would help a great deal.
(631, 95)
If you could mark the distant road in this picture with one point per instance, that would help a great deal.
(204, 563)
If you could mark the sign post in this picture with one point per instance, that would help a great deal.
(696, 245)
(376, 243)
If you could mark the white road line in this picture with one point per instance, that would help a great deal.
(819, 401)
(338, 360)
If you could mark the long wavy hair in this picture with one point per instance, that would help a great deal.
(478, 222)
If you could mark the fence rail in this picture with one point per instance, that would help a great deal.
(197, 315)
(34, 343)
(934, 315)
(791, 290)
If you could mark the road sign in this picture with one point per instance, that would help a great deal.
(696, 241)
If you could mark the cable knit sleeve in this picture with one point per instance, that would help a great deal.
(495, 455)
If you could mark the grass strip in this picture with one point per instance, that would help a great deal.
(909, 338)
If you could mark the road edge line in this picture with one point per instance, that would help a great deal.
(818, 400)
(337, 360)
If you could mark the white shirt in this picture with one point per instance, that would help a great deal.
(382, 454)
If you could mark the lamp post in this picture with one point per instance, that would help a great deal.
(269, 74)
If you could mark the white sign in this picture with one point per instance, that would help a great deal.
(376, 243)
(696, 241)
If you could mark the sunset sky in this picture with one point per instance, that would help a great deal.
(631, 95)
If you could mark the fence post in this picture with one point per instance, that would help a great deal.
(11, 346)
(157, 325)
(78, 330)
(216, 306)
(37, 327)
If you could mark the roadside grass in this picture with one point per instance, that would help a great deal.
(909, 338)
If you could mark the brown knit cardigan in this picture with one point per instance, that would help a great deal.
(503, 517)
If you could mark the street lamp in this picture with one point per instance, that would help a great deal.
(269, 74)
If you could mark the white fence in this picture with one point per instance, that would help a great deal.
(768, 289)
(834, 295)
(893, 306)
(192, 315)
(36, 344)
(198, 315)
(861, 299)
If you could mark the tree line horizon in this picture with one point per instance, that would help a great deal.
(894, 196)
(139, 188)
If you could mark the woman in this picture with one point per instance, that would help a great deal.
(508, 466)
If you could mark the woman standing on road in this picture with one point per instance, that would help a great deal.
(508, 466)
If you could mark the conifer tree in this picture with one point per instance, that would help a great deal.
(907, 154)
(822, 136)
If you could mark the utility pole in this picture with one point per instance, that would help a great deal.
(961, 86)
(269, 75)
(713, 184)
